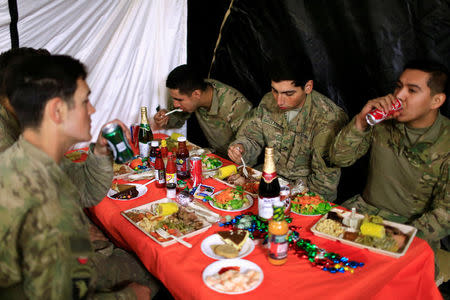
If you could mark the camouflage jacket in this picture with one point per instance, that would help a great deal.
(221, 123)
(407, 180)
(9, 129)
(43, 229)
(300, 146)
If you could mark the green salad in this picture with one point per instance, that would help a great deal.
(210, 163)
(229, 198)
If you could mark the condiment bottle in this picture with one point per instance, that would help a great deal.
(160, 173)
(171, 176)
(278, 236)
(152, 153)
(182, 159)
(269, 187)
(164, 151)
(145, 134)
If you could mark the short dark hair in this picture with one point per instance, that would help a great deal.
(186, 79)
(32, 82)
(13, 56)
(438, 81)
(297, 68)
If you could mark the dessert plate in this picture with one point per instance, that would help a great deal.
(142, 189)
(215, 239)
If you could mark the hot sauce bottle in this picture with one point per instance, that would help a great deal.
(171, 176)
(278, 236)
(160, 173)
(152, 153)
(182, 159)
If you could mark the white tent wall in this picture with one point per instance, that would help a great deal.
(128, 46)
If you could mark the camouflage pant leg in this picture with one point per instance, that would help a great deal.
(118, 267)
(362, 207)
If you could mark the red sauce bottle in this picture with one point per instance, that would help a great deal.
(164, 150)
(160, 172)
(171, 170)
(182, 159)
(152, 153)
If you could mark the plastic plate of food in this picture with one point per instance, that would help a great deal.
(210, 163)
(125, 192)
(309, 204)
(369, 232)
(233, 276)
(180, 221)
(231, 200)
(212, 247)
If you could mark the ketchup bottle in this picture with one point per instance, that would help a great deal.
(160, 172)
(171, 176)
(182, 159)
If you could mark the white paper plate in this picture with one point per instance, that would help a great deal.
(246, 205)
(245, 265)
(307, 215)
(142, 189)
(215, 239)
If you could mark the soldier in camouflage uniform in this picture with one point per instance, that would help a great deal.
(408, 179)
(219, 108)
(299, 123)
(46, 252)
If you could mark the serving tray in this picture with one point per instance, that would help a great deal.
(147, 207)
(410, 231)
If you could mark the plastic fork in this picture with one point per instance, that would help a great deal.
(166, 235)
(244, 168)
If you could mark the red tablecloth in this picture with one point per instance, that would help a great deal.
(180, 268)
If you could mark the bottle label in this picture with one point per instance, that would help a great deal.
(152, 161)
(160, 176)
(182, 166)
(144, 149)
(121, 147)
(265, 206)
(171, 178)
(269, 177)
(278, 246)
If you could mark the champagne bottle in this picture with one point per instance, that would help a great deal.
(269, 187)
(145, 134)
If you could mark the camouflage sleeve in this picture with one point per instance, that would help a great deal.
(324, 179)
(45, 271)
(251, 136)
(349, 145)
(92, 177)
(435, 224)
(239, 112)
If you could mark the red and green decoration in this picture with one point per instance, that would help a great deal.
(320, 258)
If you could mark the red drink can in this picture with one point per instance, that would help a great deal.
(195, 164)
(377, 115)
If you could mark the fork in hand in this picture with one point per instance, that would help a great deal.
(166, 235)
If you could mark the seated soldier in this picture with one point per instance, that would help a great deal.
(219, 108)
(408, 180)
(299, 123)
(46, 252)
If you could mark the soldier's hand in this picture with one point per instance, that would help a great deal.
(383, 103)
(235, 152)
(95, 234)
(161, 119)
(101, 146)
(142, 292)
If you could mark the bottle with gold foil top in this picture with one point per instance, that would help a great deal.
(145, 134)
(269, 187)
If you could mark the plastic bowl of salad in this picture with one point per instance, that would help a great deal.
(210, 163)
(231, 199)
(310, 204)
